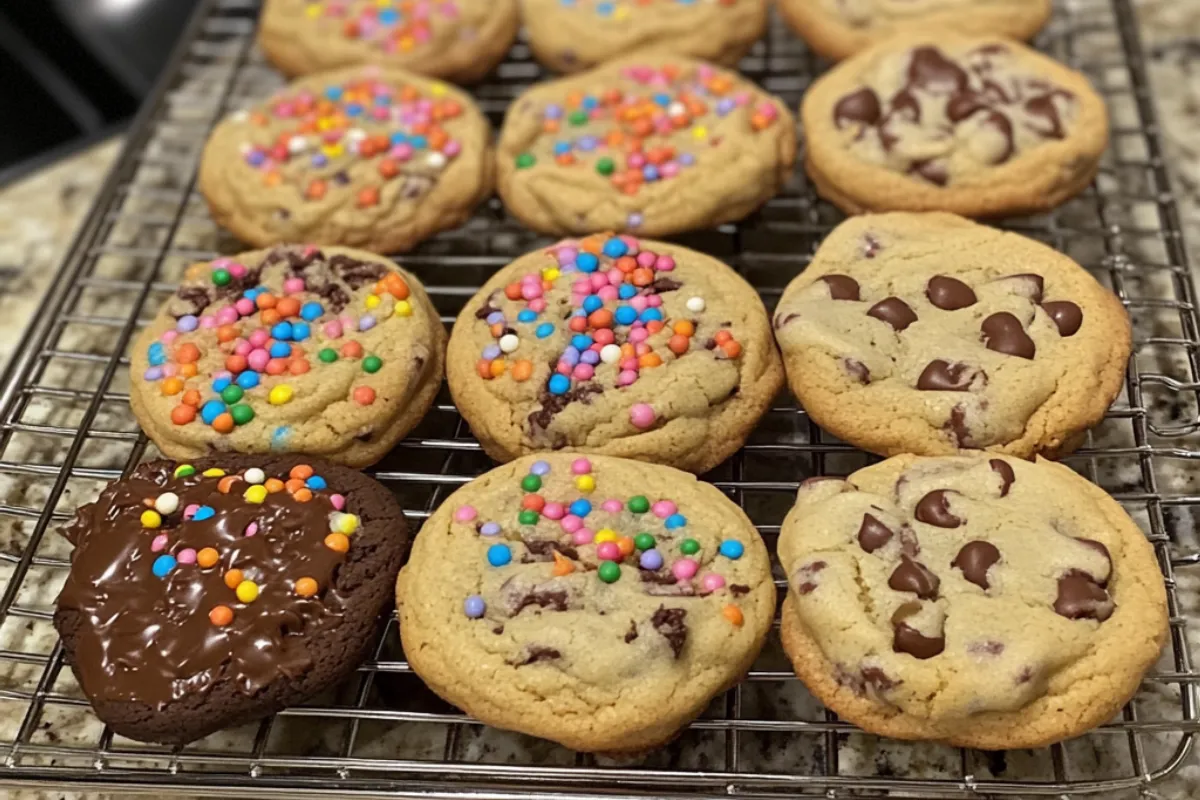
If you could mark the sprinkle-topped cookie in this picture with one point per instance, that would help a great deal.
(202, 595)
(651, 146)
(459, 40)
(296, 349)
(613, 585)
(573, 35)
(617, 345)
(361, 157)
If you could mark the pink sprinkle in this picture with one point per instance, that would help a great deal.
(626, 377)
(245, 306)
(259, 337)
(537, 305)
(159, 543)
(337, 501)
(554, 511)
(581, 466)
(190, 511)
(293, 285)
(227, 316)
(380, 113)
(598, 281)
(612, 506)
(221, 263)
(237, 270)
(629, 364)
(638, 303)
(333, 329)
(583, 372)
(402, 152)
(186, 556)
(571, 523)
(642, 349)
(646, 259)
(632, 243)
(664, 264)
(170, 369)
(684, 569)
(663, 509)
(531, 290)
(207, 321)
(768, 110)
(563, 368)
(711, 582)
(222, 374)
(604, 336)
(566, 255)
(531, 278)
(608, 551)
(654, 300)
(242, 347)
(641, 415)
(582, 536)
(669, 169)
(258, 359)
(638, 335)
(607, 293)
(465, 514)
(741, 98)
(582, 287)
(251, 529)
(615, 277)
(636, 161)
(451, 149)
(169, 336)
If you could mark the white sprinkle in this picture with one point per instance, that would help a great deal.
(240, 116)
(297, 144)
(509, 342)
(676, 109)
(435, 160)
(245, 149)
(356, 134)
(255, 475)
(166, 503)
(695, 304)
(610, 354)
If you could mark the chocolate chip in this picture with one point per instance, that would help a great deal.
(907, 639)
(805, 579)
(943, 376)
(975, 559)
(841, 287)
(780, 321)
(871, 246)
(1003, 333)
(934, 509)
(894, 312)
(913, 576)
(906, 107)
(1002, 468)
(957, 425)
(1002, 124)
(878, 679)
(1043, 109)
(873, 534)
(552, 404)
(930, 70)
(632, 633)
(949, 294)
(1102, 550)
(661, 285)
(963, 105)
(552, 599)
(1066, 315)
(931, 170)
(857, 370)
(670, 624)
(738, 589)
(861, 106)
(535, 653)
(1080, 597)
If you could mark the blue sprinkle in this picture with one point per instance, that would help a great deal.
(211, 410)
(220, 383)
(590, 102)
(581, 508)
(592, 303)
(388, 16)
(282, 331)
(544, 330)
(732, 549)
(300, 331)
(562, 148)
(650, 172)
(163, 565)
(280, 437)
(157, 347)
(663, 99)
(626, 291)
(651, 314)
(626, 315)
(399, 137)
(526, 315)
(604, 9)
(312, 311)
(316, 482)
(280, 350)
(157, 358)
(334, 93)
(586, 262)
(615, 248)
(581, 341)
(353, 110)
(540, 468)
(418, 142)
(248, 379)
(498, 555)
(675, 521)
(203, 513)
(559, 384)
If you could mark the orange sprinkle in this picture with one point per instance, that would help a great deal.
(678, 344)
(191, 397)
(305, 587)
(655, 325)
(650, 360)
(223, 423)
(303, 495)
(626, 264)
(733, 614)
(684, 328)
(233, 577)
(513, 291)
(522, 370)
(564, 159)
(316, 190)
(294, 485)
(627, 350)
(626, 546)
(301, 472)
(235, 363)
(642, 277)
(226, 333)
(497, 330)
(600, 318)
(274, 485)
(288, 307)
(183, 414)
(722, 336)
(731, 349)
(299, 366)
(497, 367)
(759, 122)
(484, 369)
(562, 564)
(270, 316)
(396, 286)
(188, 370)
(172, 386)
(187, 353)
(220, 615)
(276, 366)
(352, 350)
(207, 557)
(337, 542)
(364, 395)
(368, 197)
(265, 300)
(226, 483)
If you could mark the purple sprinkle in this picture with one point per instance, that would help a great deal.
(490, 352)
(490, 528)
(153, 374)
(686, 159)
(255, 158)
(495, 317)
(540, 468)
(590, 357)
(554, 111)
(651, 559)
(636, 220)
(587, 143)
(571, 356)
(724, 107)
(319, 160)
(187, 323)
(366, 323)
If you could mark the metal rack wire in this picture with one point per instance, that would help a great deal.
(65, 429)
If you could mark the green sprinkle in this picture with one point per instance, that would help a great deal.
(638, 504)
(525, 161)
(527, 517)
(689, 547)
(643, 541)
(328, 355)
(578, 117)
(232, 393)
(183, 470)
(605, 166)
(372, 364)
(531, 483)
(221, 277)
(610, 571)
(242, 413)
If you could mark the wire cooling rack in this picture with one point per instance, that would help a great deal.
(65, 429)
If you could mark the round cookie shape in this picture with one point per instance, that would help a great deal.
(649, 145)
(208, 594)
(614, 345)
(326, 351)
(574, 35)
(981, 601)
(597, 602)
(458, 40)
(928, 333)
(838, 29)
(979, 126)
(361, 157)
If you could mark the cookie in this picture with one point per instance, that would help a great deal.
(838, 29)
(600, 602)
(979, 126)
(650, 146)
(574, 35)
(360, 157)
(618, 346)
(979, 601)
(458, 40)
(325, 351)
(927, 333)
(205, 595)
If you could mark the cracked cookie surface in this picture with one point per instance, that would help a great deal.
(614, 345)
(928, 333)
(983, 601)
(594, 601)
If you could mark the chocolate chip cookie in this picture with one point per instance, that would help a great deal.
(927, 333)
(597, 602)
(979, 126)
(458, 40)
(980, 601)
(208, 594)
(573, 35)
(648, 145)
(360, 157)
(614, 345)
(326, 351)
(838, 29)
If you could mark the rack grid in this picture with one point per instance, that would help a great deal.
(65, 429)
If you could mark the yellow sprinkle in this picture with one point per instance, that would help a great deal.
(256, 494)
(332, 150)
(606, 534)
(247, 591)
(372, 300)
(347, 524)
(407, 43)
(621, 13)
(313, 11)
(699, 132)
(403, 308)
(280, 394)
(151, 519)
(383, 3)
(585, 483)
(213, 472)
(437, 89)
(324, 124)
(550, 274)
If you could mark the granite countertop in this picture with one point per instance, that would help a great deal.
(39, 214)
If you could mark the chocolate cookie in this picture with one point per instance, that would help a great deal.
(597, 602)
(326, 351)
(206, 595)
(459, 40)
(573, 35)
(614, 345)
(979, 601)
(649, 145)
(361, 157)
(927, 333)
(977, 126)
(837, 29)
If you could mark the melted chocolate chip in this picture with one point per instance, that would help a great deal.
(913, 576)
(931, 170)
(661, 285)
(907, 639)
(871, 246)
(194, 299)
(544, 549)
(355, 273)
(1080, 597)
(1066, 315)
(963, 105)
(1005, 472)
(975, 559)
(1002, 124)
(943, 376)
(841, 287)
(552, 404)
(1102, 550)
(535, 653)
(906, 107)
(738, 589)
(857, 370)
(1043, 109)
(632, 633)
(957, 425)
(878, 679)
(932, 71)
(780, 321)
(671, 625)
(861, 107)
(1003, 333)
(934, 509)
(949, 294)
(555, 599)
(873, 534)
(894, 312)
(805, 579)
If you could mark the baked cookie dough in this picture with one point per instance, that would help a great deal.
(208, 594)
(649, 145)
(458, 40)
(618, 346)
(979, 601)
(927, 333)
(597, 602)
(360, 157)
(325, 351)
(838, 29)
(574, 35)
(979, 126)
